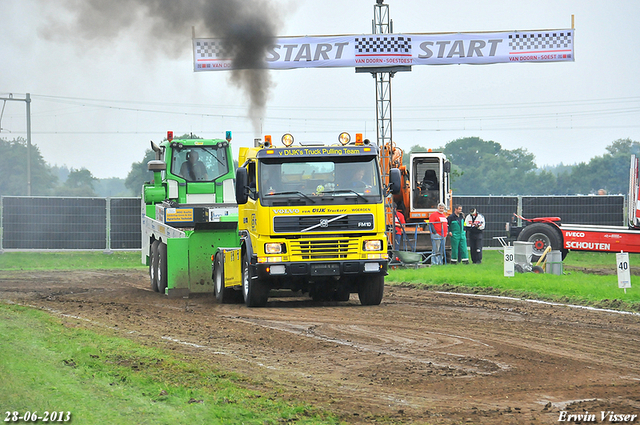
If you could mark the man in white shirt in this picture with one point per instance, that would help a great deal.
(474, 222)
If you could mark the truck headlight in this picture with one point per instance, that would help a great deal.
(375, 245)
(274, 248)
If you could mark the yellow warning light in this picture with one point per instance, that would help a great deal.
(359, 139)
(344, 138)
(287, 139)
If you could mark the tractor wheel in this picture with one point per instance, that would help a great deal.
(542, 235)
(223, 295)
(537, 269)
(371, 290)
(153, 265)
(161, 269)
(255, 292)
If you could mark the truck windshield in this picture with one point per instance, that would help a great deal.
(319, 182)
(199, 163)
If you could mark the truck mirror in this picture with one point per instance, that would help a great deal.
(395, 181)
(242, 190)
(156, 149)
(447, 167)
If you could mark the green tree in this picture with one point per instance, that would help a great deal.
(112, 186)
(13, 163)
(78, 183)
(485, 168)
(609, 171)
(139, 173)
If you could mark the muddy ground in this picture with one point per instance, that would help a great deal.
(419, 357)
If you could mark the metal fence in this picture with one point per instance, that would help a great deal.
(52, 223)
(57, 223)
(497, 210)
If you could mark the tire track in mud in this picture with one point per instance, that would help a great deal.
(418, 357)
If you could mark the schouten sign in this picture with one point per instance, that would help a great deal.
(591, 238)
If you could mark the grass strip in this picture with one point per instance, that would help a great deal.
(70, 260)
(49, 365)
(576, 287)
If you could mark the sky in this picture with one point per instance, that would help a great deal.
(106, 81)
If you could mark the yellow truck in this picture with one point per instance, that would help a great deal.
(311, 218)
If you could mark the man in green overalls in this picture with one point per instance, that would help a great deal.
(458, 236)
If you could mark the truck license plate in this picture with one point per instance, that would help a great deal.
(325, 270)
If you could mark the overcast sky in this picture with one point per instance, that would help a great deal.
(104, 84)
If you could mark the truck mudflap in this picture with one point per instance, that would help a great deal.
(321, 269)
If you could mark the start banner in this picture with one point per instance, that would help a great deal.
(388, 50)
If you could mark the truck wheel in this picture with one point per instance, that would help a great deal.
(161, 270)
(153, 265)
(370, 290)
(255, 292)
(320, 291)
(542, 235)
(223, 295)
(342, 293)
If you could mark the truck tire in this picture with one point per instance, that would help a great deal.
(342, 293)
(223, 295)
(161, 270)
(254, 291)
(153, 265)
(371, 290)
(542, 235)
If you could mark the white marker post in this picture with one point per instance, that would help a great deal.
(624, 271)
(509, 261)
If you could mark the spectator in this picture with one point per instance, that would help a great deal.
(399, 222)
(475, 223)
(438, 226)
(458, 237)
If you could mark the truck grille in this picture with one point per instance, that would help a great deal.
(322, 249)
(323, 223)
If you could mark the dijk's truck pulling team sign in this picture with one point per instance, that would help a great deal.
(398, 50)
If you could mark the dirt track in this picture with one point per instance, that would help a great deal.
(419, 357)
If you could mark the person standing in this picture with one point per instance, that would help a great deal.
(475, 223)
(439, 227)
(458, 237)
(399, 223)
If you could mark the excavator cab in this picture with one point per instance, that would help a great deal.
(429, 183)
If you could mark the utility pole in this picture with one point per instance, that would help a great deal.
(27, 100)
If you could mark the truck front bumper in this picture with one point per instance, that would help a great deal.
(322, 269)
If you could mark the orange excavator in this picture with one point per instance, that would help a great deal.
(425, 183)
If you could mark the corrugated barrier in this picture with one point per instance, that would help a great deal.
(56, 223)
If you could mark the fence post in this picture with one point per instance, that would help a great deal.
(1, 227)
(108, 227)
(519, 209)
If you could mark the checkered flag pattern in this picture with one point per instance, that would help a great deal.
(209, 50)
(540, 41)
(383, 44)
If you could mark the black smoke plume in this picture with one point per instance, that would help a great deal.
(247, 28)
